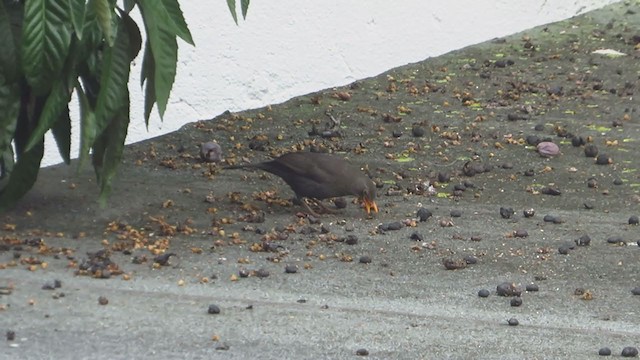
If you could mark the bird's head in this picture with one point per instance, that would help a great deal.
(367, 195)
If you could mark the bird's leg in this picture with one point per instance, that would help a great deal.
(325, 210)
(307, 207)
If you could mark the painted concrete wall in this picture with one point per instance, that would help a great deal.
(287, 48)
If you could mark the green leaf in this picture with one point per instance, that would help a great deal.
(172, 8)
(164, 49)
(148, 71)
(9, 109)
(104, 13)
(62, 133)
(232, 10)
(9, 53)
(88, 126)
(107, 158)
(244, 4)
(22, 178)
(45, 41)
(114, 77)
(77, 10)
(55, 104)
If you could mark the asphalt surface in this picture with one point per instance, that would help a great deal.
(355, 286)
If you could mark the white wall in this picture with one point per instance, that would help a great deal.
(287, 48)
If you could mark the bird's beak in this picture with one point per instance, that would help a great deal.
(369, 205)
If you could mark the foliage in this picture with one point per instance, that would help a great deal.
(53, 48)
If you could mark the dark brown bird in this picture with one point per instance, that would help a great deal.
(319, 176)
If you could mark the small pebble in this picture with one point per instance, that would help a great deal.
(564, 249)
(584, 240)
(516, 301)
(455, 213)
(483, 293)
(365, 259)
(618, 181)
(529, 172)
(605, 351)
(11, 335)
(243, 273)
(513, 322)
(210, 152)
(213, 309)
(577, 141)
(592, 183)
(629, 351)
(102, 300)
(291, 269)
(548, 149)
(533, 140)
(539, 127)
(470, 259)
(529, 213)
(603, 159)
(506, 213)
(362, 352)
(636, 290)
(590, 151)
(551, 191)
(508, 289)
(633, 220)
(444, 177)
(532, 288)
(618, 240)
(418, 131)
(424, 214)
(351, 239)
(520, 233)
(416, 237)
(454, 264)
(262, 273)
(340, 203)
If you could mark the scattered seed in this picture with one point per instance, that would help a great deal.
(605, 351)
(213, 309)
(483, 293)
(365, 259)
(102, 300)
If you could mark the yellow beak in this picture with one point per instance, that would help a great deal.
(369, 205)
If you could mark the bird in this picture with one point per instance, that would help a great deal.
(319, 176)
